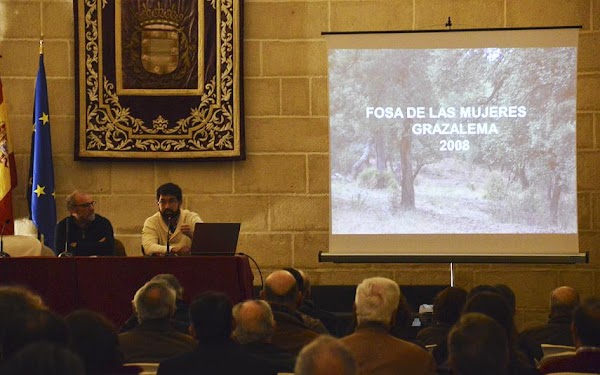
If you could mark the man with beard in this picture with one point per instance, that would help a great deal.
(169, 223)
(83, 232)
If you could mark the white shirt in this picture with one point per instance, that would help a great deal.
(154, 232)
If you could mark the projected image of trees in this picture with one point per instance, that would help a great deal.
(453, 141)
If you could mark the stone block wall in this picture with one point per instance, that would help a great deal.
(280, 193)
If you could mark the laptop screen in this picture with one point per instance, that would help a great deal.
(215, 238)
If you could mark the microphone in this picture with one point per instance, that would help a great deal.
(66, 253)
(2, 253)
(66, 235)
(171, 226)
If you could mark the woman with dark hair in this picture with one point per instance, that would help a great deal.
(447, 307)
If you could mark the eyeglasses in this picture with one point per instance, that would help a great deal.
(86, 205)
(167, 201)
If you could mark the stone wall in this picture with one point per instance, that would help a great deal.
(280, 192)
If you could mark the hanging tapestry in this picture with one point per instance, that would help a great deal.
(158, 79)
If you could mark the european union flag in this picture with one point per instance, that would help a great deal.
(41, 172)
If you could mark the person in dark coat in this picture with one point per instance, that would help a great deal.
(154, 339)
(84, 232)
(254, 328)
(217, 353)
(586, 335)
(291, 332)
(563, 301)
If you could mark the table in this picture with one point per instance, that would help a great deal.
(107, 284)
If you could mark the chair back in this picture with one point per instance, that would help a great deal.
(120, 248)
(147, 367)
(553, 350)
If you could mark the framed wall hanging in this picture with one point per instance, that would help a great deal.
(158, 79)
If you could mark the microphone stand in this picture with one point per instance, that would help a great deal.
(66, 253)
(2, 253)
(169, 253)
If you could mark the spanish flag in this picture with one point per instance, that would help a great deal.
(8, 172)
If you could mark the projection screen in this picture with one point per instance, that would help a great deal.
(453, 142)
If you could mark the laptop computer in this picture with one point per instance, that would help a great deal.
(215, 238)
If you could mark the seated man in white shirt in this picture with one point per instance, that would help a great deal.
(170, 225)
(25, 242)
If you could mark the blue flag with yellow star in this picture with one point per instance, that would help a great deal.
(41, 173)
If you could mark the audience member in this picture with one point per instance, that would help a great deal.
(254, 328)
(325, 356)
(43, 358)
(496, 307)
(170, 222)
(211, 317)
(447, 307)
(334, 324)
(84, 232)
(182, 309)
(481, 288)
(557, 330)
(94, 338)
(531, 349)
(25, 319)
(478, 345)
(281, 292)
(154, 339)
(15, 303)
(180, 319)
(402, 327)
(586, 336)
(311, 322)
(509, 295)
(15, 300)
(35, 325)
(376, 351)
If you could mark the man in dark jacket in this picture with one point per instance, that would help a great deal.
(557, 330)
(212, 321)
(291, 332)
(254, 328)
(154, 339)
(83, 232)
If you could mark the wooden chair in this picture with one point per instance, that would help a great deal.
(120, 248)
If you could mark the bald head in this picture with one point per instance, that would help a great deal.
(563, 300)
(154, 300)
(325, 355)
(254, 322)
(281, 288)
(280, 282)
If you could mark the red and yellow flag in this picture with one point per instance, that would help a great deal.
(8, 172)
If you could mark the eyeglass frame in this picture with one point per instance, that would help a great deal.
(86, 205)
